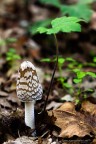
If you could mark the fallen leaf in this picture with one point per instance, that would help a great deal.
(67, 98)
(5, 103)
(89, 107)
(3, 94)
(70, 122)
(13, 98)
(89, 110)
(53, 105)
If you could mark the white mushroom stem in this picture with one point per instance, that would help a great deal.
(29, 114)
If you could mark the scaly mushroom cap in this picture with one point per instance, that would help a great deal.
(28, 86)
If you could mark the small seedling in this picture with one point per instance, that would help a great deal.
(7, 41)
(62, 24)
(11, 56)
(80, 75)
(66, 24)
(28, 90)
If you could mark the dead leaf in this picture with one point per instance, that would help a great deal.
(89, 110)
(67, 98)
(53, 105)
(70, 122)
(89, 107)
(3, 94)
(13, 98)
(5, 103)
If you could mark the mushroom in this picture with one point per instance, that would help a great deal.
(28, 90)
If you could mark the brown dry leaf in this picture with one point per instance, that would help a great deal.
(13, 98)
(53, 105)
(33, 49)
(2, 80)
(5, 103)
(3, 94)
(70, 122)
(94, 141)
(89, 107)
(93, 21)
(38, 13)
(14, 68)
(89, 110)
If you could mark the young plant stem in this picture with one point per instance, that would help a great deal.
(55, 67)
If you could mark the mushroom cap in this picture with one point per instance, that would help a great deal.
(28, 86)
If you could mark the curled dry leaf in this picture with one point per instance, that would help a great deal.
(89, 110)
(4, 103)
(70, 122)
(3, 94)
(89, 107)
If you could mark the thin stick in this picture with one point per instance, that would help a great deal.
(55, 67)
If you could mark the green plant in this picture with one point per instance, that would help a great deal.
(6, 41)
(61, 61)
(79, 76)
(80, 9)
(76, 10)
(67, 24)
(62, 24)
(33, 27)
(55, 3)
(11, 56)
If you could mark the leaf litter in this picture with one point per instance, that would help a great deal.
(72, 122)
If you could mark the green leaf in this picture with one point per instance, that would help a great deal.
(92, 74)
(61, 60)
(85, 1)
(11, 40)
(81, 74)
(89, 90)
(77, 80)
(52, 2)
(8, 58)
(43, 23)
(66, 24)
(16, 57)
(70, 59)
(11, 55)
(77, 101)
(94, 59)
(42, 30)
(46, 60)
(77, 10)
(76, 70)
(2, 42)
(62, 24)
(67, 85)
(12, 50)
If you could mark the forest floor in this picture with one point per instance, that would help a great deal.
(63, 121)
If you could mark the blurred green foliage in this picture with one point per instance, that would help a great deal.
(11, 56)
(81, 9)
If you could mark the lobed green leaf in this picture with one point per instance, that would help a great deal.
(62, 24)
